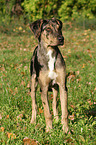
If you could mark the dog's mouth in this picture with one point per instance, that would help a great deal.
(60, 40)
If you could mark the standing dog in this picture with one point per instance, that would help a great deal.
(48, 69)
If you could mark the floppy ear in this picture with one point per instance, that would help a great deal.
(59, 23)
(36, 28)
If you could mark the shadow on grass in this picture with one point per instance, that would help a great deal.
(91, 111)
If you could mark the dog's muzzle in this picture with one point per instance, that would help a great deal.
(61, 40)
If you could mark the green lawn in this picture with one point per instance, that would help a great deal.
(79, 52)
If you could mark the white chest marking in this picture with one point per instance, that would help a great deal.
(51, 64)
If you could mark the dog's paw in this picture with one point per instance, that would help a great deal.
(33, 121)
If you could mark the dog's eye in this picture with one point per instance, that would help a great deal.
(49, 30)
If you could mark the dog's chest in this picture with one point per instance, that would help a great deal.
(51, 65)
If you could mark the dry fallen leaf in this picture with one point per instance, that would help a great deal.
(69, 50)
(28, 141)
(40, 110)
(77, 72)
(71, 117)
(71, 75)
(7, 116)
(95, 89)
(2, 69)
(83, 65)
(90, 55)
(22, 83)
(72, 106)
(11, 135)
(2, 129)
(90, 102)
(25, 67)
(20, 116)
(28, 86)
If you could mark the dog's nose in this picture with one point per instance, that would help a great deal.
(61, 38)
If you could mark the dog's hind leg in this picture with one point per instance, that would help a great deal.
(33, 96)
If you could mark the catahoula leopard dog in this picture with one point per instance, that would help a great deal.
(48, 69)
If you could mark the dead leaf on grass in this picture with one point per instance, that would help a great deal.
(77, 72)
(2, 68)
(11, 135)
(71, 75)
(2, 129)
(40, 110)
(78, 80)
(28, 85)
(71, 117)
(72, 106)
(95, 89)
(25, 67)
(7, 116)
(28, 141)
(20, 116)
(69, 50)
(90, 102)
(83, 65)
(22, 83)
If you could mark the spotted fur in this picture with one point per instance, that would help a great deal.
(48, 69)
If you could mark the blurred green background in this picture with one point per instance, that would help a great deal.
(75, 13)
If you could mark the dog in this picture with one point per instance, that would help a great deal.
(48, 69)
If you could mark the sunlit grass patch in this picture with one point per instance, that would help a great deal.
(79, 52)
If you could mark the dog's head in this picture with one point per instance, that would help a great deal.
(48, 31)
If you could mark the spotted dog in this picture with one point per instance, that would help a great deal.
(48, 69)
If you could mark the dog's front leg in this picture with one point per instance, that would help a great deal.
(48, 117)
(33, 87)
(64, 107)
(63, 98)
(54, 104)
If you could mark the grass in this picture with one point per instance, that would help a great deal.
(16, 49)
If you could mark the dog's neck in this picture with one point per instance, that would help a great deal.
(49, 53)
(45, 48)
